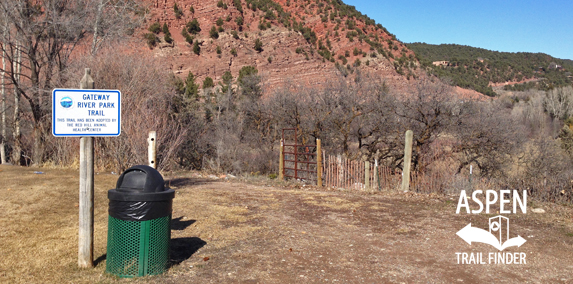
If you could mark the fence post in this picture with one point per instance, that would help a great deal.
(367, 174)
(86, 200)
(376, 178)
(281, 161)
(318, 163)
(407, 161)
(340, 171)
(151, 150)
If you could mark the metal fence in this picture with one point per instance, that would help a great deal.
(340, 172)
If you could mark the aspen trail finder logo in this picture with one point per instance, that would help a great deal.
(498, 234)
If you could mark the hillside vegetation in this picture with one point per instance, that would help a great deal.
(281, 35)
(477, 68)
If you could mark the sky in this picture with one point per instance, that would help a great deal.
(503, 25)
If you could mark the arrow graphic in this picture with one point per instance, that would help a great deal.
(473, 234)
(517, 241)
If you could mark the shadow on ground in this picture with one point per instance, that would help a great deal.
(178, 225)
(182, 249)
(100, 259)
(182, 182)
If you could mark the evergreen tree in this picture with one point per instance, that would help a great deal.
(193, 27)
(191, 89)
(208, 83)
(196, 47)
(258, 45)
(213, 33)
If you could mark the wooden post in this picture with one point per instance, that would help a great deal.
(151, 150)
(340, 171)
(367, 175)
(318, 163)
(407, 161)
(376, 178)
(86, 204)
(281, 161)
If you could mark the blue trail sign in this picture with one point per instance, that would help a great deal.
(86, 112)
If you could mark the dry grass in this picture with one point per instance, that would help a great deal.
(39, 223)
(236, 232)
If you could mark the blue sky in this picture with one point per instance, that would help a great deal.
(503, 25)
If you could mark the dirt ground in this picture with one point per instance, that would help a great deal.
(231, 231)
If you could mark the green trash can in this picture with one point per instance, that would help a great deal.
(139, 224)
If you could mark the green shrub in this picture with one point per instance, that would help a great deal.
(193, 27)
(208, 83)
(356, 51)
(258, 45)
(188, 38)
(167, 38)
(237, 4)
(246, 71)
(151, 39)
(219, 22)
(178, 12)
(343, 59)
(239, 20)
(213, 33)
(234, 52)
(155, 28)
(262, 26)
(357, 62)
(196, 47)
(269, 15)
(235, 34)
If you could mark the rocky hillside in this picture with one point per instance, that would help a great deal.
(299, 41)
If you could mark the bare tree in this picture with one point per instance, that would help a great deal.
(486, 136)
(40, 39)
(559, 102)
(113, 20)
(147, 97)
(3, 110)
(428, 113)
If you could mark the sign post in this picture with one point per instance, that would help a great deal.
(86, 113)
(86, 204)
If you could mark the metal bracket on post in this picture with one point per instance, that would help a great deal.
(152, 150)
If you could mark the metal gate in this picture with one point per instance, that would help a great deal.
(299, 161)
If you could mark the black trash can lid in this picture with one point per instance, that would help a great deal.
(141, 183)
(140, 178)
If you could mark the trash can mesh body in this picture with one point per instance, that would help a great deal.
(138, 248)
